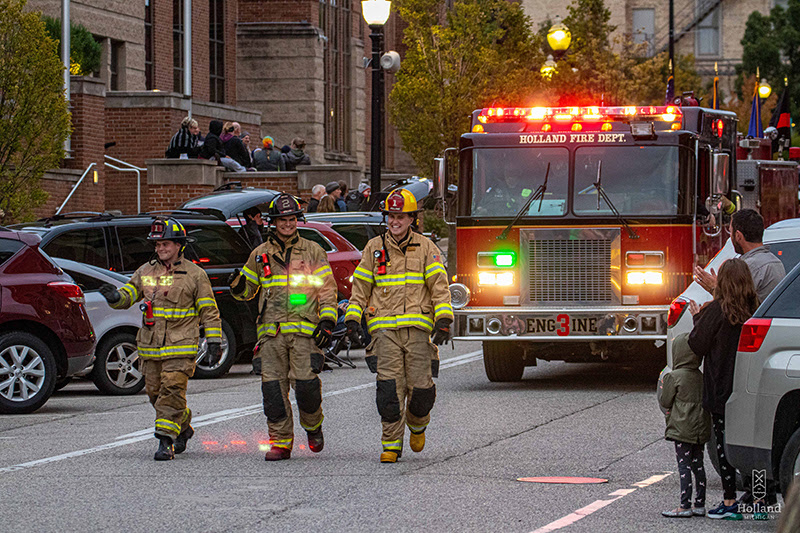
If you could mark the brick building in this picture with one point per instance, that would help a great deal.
(279, 67)
(711, 30)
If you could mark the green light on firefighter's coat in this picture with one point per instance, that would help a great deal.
(297, 299)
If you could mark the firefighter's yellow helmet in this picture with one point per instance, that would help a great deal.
(400, 201)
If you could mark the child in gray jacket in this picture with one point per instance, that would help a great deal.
(688, 425)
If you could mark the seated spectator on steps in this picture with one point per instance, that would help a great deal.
(268, 158)
(185, 140)
(214, 150)
(234, 147)
(296, 156)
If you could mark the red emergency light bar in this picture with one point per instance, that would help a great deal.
(580, 114)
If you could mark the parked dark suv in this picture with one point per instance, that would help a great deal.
(119, 243)
(45, 334)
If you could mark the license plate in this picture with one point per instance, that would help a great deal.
(562, 325)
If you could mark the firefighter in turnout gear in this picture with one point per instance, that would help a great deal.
(401, 286)
(297, 313)
(176, 297)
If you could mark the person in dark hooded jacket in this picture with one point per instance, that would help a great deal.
(688, 425)
(212, 146)
(296, 156)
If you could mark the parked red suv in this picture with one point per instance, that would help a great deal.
(45, 333)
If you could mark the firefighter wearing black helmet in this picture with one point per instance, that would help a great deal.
(401, 287)
(176, 296)
(297, 313)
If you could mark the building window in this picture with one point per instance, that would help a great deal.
(148, 45)
(116, 53)
(708, 32)
(644, 30)
(177, 46)
(216, 43)
(334, 17)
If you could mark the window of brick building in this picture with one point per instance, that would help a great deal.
(335, 22)
(177, 46)
(216, 43)
(708, 32)
(116, 59)
(148, 45)
(644, 29)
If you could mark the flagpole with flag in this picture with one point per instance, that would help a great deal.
(715, 94)
(670, 96)
(756, 129)
(781, 118)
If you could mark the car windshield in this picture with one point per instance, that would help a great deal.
(639, 180)
(503, 179)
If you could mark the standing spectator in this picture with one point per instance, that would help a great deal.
(358, 199)
(296, 156)
(234, 147)
(747, 233)
(254, 224)
(688, 426)
(340, 203)
(185, 140)
(328, 203)
(714, 338)
(246, 142)
(317, 192)
(268, 158)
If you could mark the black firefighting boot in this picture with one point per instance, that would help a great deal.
(183, 438)
(316, 441)
(165, 451)
(277, 454)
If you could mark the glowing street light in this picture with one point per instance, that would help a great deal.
(764, 89)
(559, 37)
(548, 68)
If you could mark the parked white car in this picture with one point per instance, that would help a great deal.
(115, 366)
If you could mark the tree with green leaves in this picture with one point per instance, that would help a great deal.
(35, 119)
(482, 53)
(771, 45)
(84, 51)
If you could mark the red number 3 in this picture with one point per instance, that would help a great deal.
(563, 331)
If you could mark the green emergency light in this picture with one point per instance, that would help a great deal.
(504, 259)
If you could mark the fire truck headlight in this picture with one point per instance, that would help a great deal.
(503, 279)
(645, 277)
(459, 295)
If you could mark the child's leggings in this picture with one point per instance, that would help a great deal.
(690, 460)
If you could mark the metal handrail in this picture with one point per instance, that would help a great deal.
(75, 187)
(130, 168)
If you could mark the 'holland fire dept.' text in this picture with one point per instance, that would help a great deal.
(542, 138)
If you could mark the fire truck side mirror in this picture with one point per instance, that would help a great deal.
(439, 177)
(720, 174)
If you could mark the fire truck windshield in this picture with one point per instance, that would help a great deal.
(504, 180)
(638, 180)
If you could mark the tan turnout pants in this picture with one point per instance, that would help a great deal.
(405, 389)
(165, 382)
(290, 360)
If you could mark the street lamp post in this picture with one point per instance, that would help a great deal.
(376, 12)
(764, 89)
(559, 38)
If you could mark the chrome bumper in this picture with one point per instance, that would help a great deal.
(563, 324)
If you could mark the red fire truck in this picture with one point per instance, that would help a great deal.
(576, 227)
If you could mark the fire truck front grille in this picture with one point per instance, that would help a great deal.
(573, 267)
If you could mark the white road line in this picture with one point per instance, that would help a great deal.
(595, 506)
(205, 420)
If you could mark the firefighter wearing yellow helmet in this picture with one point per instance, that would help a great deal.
(401, 287)
(176, 297)
(297, 313)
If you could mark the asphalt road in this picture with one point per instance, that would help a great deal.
(84, 461)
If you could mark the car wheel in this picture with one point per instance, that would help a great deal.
(503, 361)
(789, 469)
(27, 373)
(63, 382)
(116, 368)
(207, 369)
